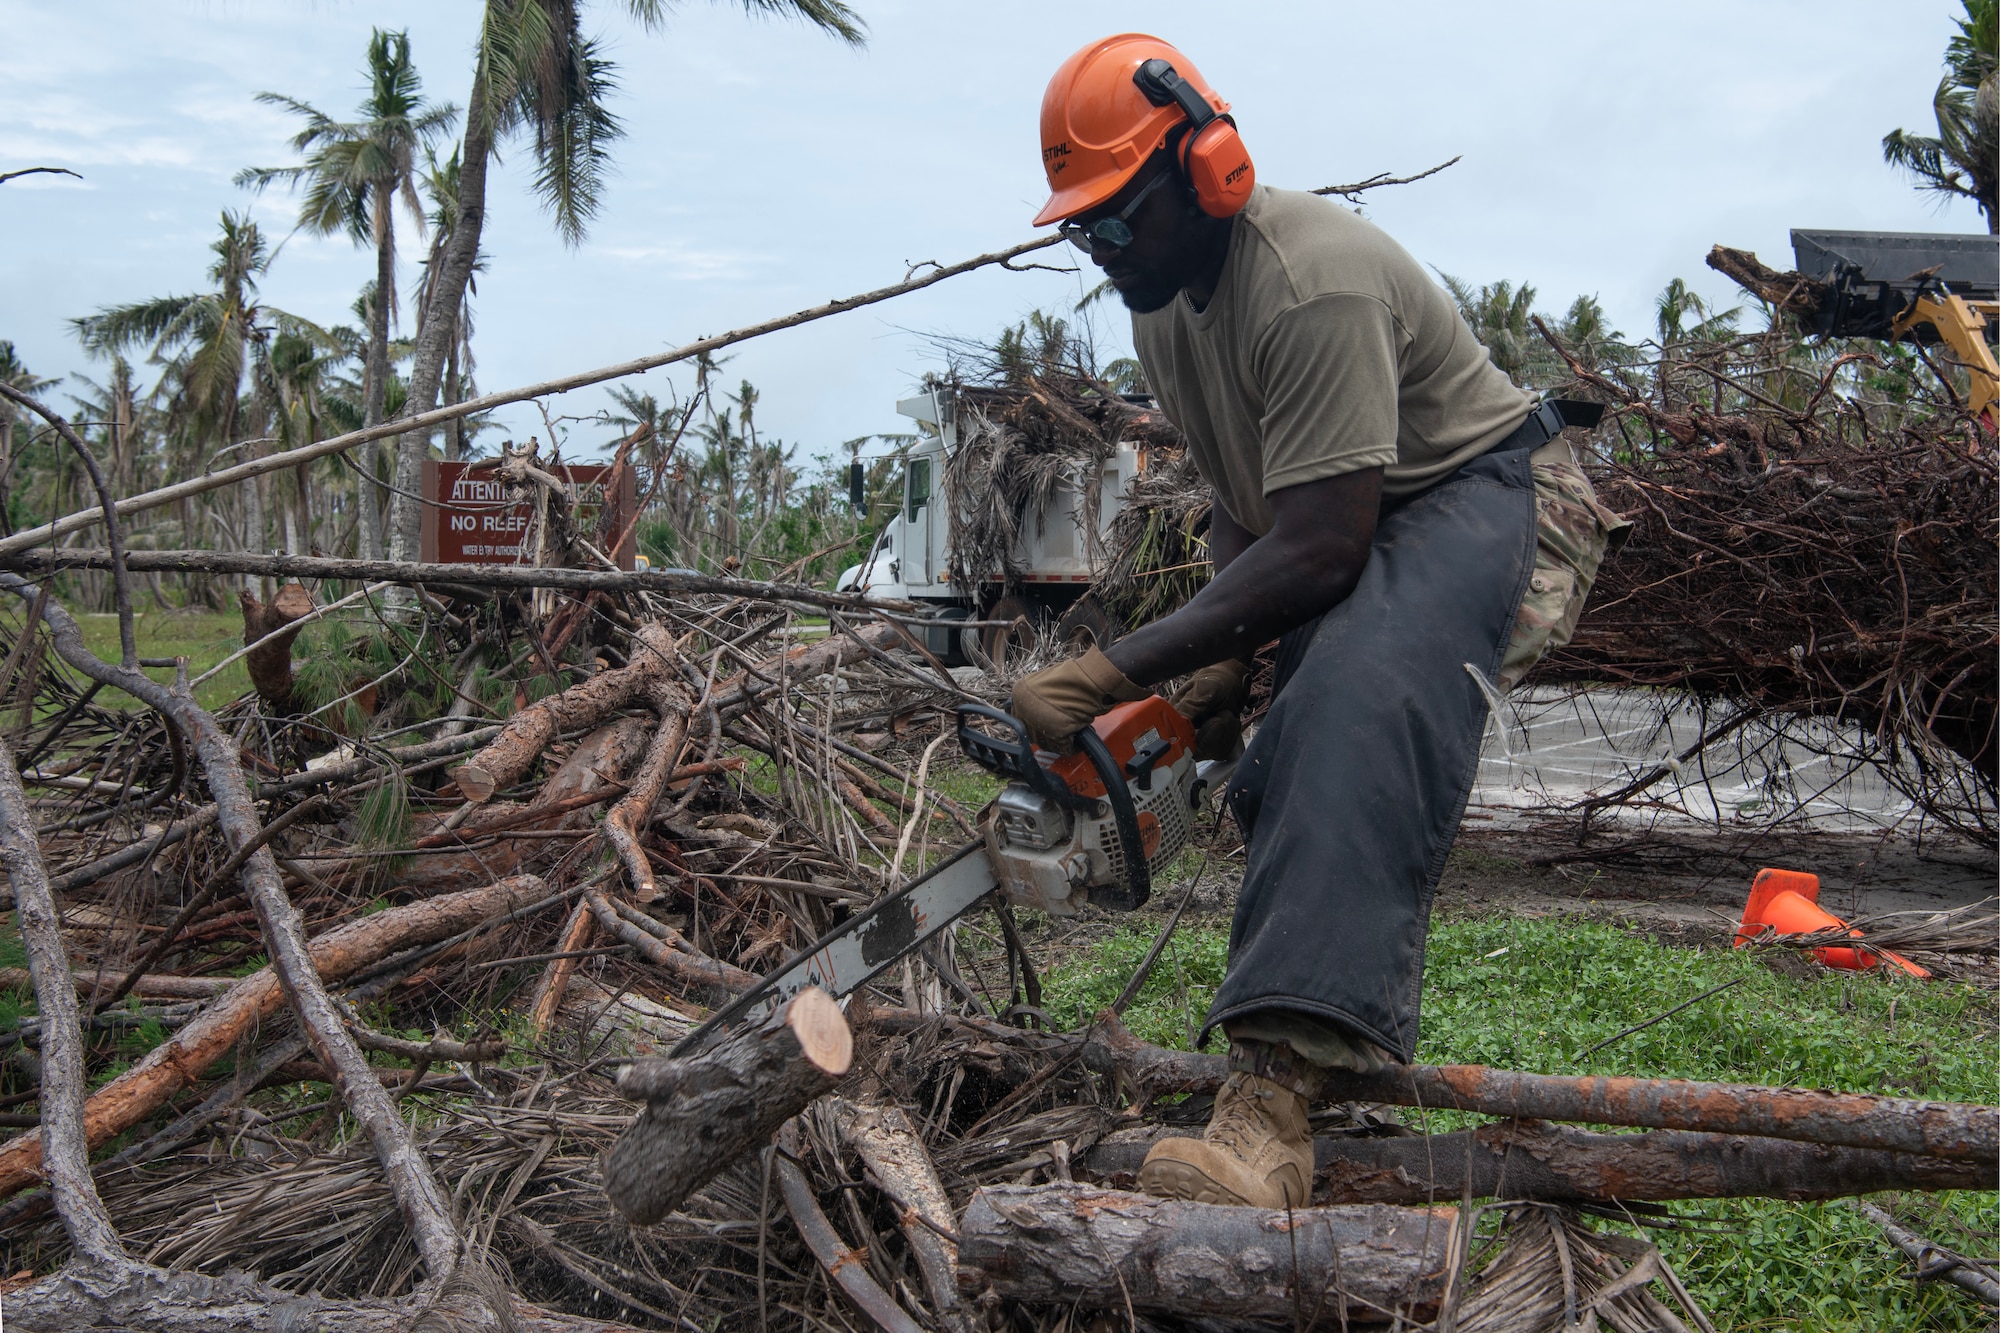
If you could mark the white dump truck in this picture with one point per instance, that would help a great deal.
(912, 558)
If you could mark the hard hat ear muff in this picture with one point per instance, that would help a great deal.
(1211, 155)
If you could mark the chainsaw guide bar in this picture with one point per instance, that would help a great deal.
(1091, 828)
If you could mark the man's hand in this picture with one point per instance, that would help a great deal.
(1212, 701)
(1057, 702)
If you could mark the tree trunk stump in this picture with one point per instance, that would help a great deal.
(270, 664)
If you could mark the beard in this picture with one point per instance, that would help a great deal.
(1151, 290)
(1152, 287)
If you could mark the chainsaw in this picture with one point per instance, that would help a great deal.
(1092, 828)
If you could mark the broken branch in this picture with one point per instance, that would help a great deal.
(705, 1111)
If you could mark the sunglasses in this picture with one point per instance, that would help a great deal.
(1112, 232)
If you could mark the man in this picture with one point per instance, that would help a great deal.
(1388, 506)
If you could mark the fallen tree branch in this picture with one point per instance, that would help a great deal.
(176, 1062)
(522, 739)
(802, 663)
(480, 1050)
(1527, 1159)
(48, 533)
(554, 983)
(6, 176)
(66, 1158)
(1934, 1261)
(151, 987)
(652, 647)
(847, 1267)
(888, 1144)
(671, 582)
(684, 962)
(1953, 1130)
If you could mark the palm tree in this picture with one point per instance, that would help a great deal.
(209, 341)
(15, 376)
(121, 424)
(1498, 316)
(302, 364)
(115, 408)
(1963, 158)
(1676, 303)
(354, 173)
(536, 72)
(441, 183)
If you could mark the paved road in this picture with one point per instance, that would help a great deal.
(1561, 747)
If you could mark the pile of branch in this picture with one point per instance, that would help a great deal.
(1156, 555)
(356, 998)
(1803, 550)
(1020, 441)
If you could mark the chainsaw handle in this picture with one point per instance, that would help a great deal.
(1015, 757)
(1138, 884)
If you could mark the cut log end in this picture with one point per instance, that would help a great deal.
(474, 783)
(821, 1030)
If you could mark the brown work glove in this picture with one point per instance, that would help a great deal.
(1059, 701)
(1212, 701)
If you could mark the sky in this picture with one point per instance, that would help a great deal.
(1605, 146)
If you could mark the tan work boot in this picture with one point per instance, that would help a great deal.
(1256, 1151)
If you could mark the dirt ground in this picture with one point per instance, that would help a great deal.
(1693, 884)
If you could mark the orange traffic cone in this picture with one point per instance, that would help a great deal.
(1786, 902)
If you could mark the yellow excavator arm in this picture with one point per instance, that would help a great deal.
(1960, 325)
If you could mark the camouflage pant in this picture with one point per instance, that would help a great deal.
(1573, 533)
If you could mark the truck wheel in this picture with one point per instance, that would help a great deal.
(1085, 625)
(1008, 644)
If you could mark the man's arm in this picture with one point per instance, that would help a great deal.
(1307, 564)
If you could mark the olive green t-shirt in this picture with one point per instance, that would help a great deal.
(1326, 349)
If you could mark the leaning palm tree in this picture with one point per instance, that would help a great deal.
(441, 183)
(354, 172)
(535, 72)
(1963, 158)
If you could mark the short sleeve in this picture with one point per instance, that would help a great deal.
(1329, 368)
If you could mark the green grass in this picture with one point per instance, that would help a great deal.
(203, 637)
(1536, 994)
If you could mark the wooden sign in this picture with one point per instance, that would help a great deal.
(467, 519)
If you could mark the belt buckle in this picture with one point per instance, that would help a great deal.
(1550, 417)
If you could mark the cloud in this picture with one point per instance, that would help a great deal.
(674, 260)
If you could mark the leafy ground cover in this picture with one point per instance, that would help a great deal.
(1536, 994)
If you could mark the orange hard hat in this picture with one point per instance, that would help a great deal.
(1098, 128)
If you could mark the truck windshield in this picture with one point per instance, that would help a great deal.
(919, 487)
